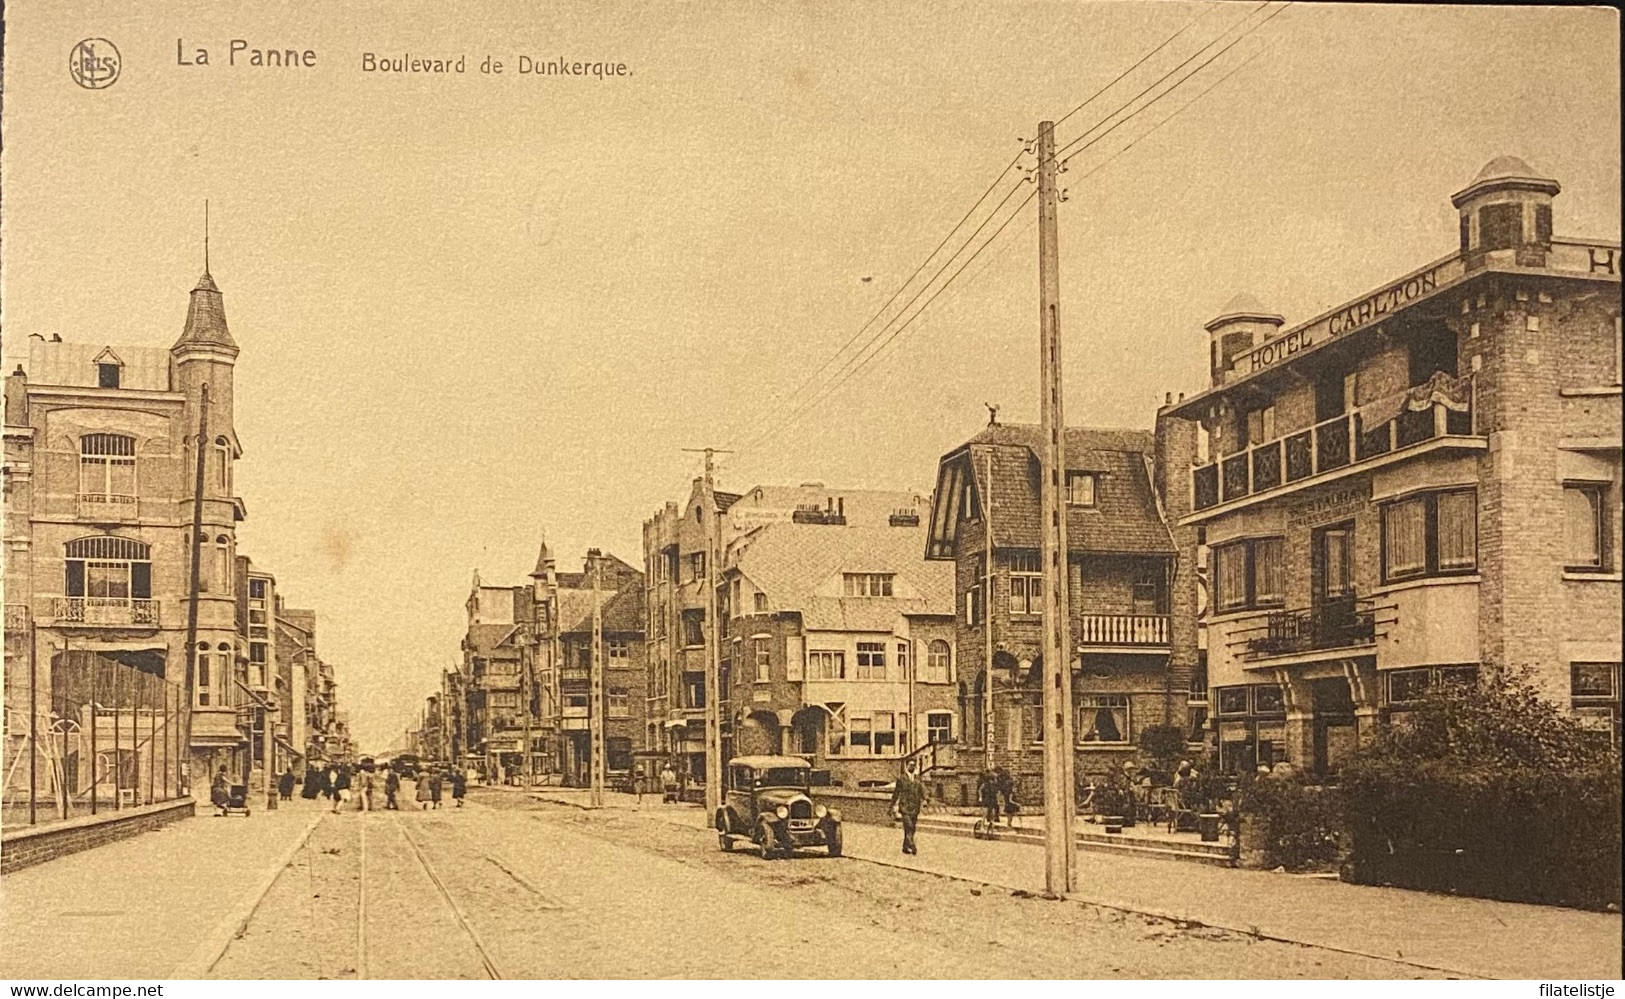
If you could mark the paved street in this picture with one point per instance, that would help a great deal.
(517, 887)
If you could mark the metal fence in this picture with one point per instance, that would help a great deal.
(89, 735)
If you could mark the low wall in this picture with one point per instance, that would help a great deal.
(30, 845)
(866, 807)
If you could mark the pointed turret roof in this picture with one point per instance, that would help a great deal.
(206, 318)
(544, 560)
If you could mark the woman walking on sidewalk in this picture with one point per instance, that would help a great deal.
(435, 783)
(459, 786)
(422, 794)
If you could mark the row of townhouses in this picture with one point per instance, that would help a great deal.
(143, 650)
(1418, 482)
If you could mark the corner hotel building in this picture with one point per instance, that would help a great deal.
(1419, 482)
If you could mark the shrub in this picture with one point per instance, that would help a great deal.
(1299, 825)
(1486, 789)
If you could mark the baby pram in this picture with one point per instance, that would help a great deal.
(236, 800)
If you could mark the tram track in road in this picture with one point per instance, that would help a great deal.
(492, 971)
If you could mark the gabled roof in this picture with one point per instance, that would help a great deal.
(790, 562)
(1125, 518)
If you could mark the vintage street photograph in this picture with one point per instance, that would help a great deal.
(741, 490)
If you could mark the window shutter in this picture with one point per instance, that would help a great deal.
(794, 656)
(140, 580)
(76, 578)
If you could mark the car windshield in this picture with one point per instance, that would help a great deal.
(782, 777)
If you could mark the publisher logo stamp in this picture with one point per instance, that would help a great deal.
(94, 64)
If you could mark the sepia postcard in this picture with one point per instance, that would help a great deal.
(745, 491)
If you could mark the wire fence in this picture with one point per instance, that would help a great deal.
(88, 733)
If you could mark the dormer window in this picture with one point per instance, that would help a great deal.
(109, 367)
(1080, 488)
(867, 584)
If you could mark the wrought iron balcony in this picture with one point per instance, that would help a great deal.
(1126, 630)
(1338, 624)
(1334, 444)
(106, 611)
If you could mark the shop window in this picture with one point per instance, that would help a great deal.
(1232, 700)
(1432, 534)
(1248, 574)
(1104, 718)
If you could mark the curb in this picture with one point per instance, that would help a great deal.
(212, 947)
(1184, 921)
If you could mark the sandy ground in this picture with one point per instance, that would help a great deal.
(554, 892)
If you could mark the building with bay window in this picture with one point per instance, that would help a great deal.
(1132, 659)
(839, 642)
(102, 446)
(1420, 481)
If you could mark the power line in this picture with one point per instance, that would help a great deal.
(963, 219)
(884, 345)
(1188, 24)
(894, 295)
(1160, 80)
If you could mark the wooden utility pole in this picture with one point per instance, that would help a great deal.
(987, 611)
(197, 558)
(713, 640)
(596, 712)
(1059, 803)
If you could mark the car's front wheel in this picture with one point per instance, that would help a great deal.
(725, 842)
(766, 841)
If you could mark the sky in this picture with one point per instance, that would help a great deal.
(477, 307)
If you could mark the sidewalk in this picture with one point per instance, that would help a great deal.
(1465, 936)
(138, 908)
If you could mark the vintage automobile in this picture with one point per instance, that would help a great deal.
(766, 802)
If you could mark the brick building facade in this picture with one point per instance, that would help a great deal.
(1133, 659)
(1418, 482)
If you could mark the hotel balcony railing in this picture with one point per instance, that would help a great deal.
(1337, 624)
(1127, 630)
(111, 611)
(575, 674)
(107, 507)
(1337, 443)
(575, 711)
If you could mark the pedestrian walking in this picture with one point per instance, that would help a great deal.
(668, 783)
(284, 785)
(330, 782)
(906, 801)
(459, 786)
(1007, 792)
(435, 781)
(341, 789)
(363, 796)
(423, 795)
(987, 795)
(220, 792)
(392, 787)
